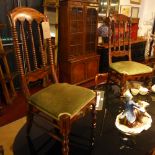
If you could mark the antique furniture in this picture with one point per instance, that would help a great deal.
(78, 58)
(59, 103)
(101, 78)
(6, 78)
(122, 68)
(137, 53)
(137, 45)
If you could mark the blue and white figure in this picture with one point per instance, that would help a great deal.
(130, 109)
(134, 119)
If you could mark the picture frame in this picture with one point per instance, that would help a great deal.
(135, 1)
(125, 10)
(134, 12)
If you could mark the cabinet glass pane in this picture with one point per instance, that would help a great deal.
(76, 31)
(91, 25)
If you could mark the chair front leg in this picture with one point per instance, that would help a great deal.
(65, 130)
(93, 126)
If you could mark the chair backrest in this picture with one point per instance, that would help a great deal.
(119, 37)
(33, 51)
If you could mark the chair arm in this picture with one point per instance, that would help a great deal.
(100, 78)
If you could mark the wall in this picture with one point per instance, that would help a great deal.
(146, 15)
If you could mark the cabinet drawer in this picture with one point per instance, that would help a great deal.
(84, 69)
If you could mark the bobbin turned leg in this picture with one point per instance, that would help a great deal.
(65, 130)
(93, 126)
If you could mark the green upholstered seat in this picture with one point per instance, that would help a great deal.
(61, 98)
(130, 67)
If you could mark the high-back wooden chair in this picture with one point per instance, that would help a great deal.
(6, 78)
(122, 68)
(59, 103)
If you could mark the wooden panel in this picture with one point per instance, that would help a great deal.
(78, 72)
(92, 67)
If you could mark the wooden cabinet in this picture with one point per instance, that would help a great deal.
(78, 59)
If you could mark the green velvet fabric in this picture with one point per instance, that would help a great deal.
(61, 98)
(130, 67)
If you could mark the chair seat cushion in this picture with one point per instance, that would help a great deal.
(61, 98)
(130, 67)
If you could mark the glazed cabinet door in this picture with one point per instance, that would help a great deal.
(91, 19)
(76, 31)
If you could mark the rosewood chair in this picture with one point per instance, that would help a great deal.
(6, 78)
(122, 68)
(59, 103)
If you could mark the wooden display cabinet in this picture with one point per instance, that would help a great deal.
(78, 61)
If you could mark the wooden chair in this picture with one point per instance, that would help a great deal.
(6, 78)
(122, 68)
(59, 103)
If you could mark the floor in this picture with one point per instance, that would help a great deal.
(8, 134)
(107, 139)
(14, 111)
